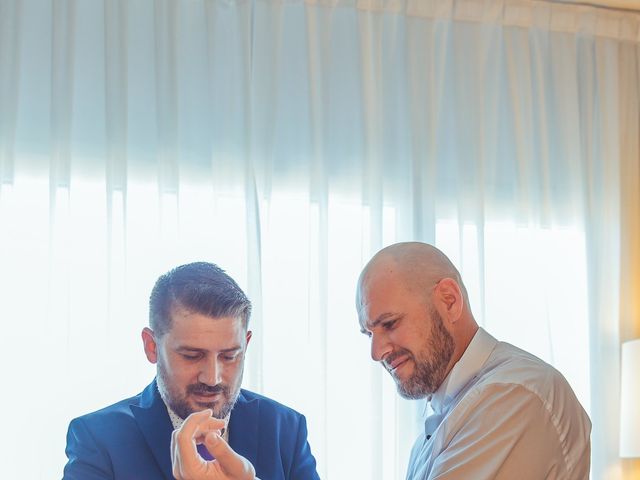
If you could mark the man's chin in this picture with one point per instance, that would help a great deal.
(411, 394)
(198, 406)
(410, 390)
(220, 408)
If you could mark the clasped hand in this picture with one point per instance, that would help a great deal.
(202, 428)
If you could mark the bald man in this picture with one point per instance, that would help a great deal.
(499, 412)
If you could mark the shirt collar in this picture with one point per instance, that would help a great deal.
(176, 421)
(472, 360)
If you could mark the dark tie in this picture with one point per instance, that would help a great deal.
(204, 453)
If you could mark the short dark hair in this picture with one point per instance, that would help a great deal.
(198, 287)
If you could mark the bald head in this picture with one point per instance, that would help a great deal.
(414, 307)
(416, 265)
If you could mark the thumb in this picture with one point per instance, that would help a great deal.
(234, 465)
(218, 447)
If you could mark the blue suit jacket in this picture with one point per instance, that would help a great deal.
(131, 440)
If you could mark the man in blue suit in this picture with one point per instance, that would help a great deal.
(197, 337)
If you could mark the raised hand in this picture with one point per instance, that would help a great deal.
(202, 428)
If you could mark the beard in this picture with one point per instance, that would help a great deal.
(429, 371)
(179, 401)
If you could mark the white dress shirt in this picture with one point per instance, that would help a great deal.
(502, 413)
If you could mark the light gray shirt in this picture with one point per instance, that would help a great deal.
(502, 413)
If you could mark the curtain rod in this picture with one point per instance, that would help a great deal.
(623, 6)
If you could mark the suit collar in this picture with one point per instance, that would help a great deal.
(154, 423)
(244, 427)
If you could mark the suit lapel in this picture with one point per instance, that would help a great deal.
(244, 428)
(153, 420)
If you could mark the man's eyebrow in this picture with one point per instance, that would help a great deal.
(381, 318)
(232, 349)
(186, 348)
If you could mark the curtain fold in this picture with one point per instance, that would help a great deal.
(288, 141)
(629, 320)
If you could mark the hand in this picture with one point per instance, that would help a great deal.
(201, 427)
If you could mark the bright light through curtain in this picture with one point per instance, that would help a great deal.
(287, 141)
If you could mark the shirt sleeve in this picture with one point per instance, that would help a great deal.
(304, 464)
(86, 461)
(502, 431)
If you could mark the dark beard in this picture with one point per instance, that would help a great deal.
(181, 406)
(429, 373)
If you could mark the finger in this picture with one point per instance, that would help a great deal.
(212, 424)
(231, 463)
(221, 450)
(186, 457)
(175, 458)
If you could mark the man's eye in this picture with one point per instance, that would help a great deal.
(229, 358)
(195, 356)
(389, 325)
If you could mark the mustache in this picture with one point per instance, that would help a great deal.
(202, 388)
(389, 359)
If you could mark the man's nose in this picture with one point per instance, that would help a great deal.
(380, 346)
(210, 373)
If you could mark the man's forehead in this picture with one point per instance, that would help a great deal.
(200, 328)
(207, 345)
(369, 324)
(374, 302)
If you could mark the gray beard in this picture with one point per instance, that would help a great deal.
(429, 373)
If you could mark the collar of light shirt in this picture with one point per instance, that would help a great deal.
(465, 369)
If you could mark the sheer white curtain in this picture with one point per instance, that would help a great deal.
(287, 141)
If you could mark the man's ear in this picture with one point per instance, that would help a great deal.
(449, 296)
(248, 337)
(150, 345)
